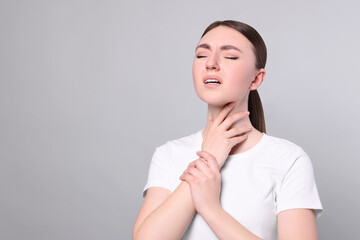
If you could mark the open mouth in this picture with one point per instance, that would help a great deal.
(213, 81)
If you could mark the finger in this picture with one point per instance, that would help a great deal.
(230, 120)
(187, 178)
(195, 172)
(237, 140)
(211, 170)
(203, 161)
(223, 113)
(212, 162)
(203, 166)
(233, 132)
(200, 171)
(193, 163)
(205, 155)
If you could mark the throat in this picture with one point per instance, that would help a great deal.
(254, 137)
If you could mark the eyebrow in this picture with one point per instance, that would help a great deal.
(224, 47)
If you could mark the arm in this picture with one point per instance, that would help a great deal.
(204, 178)
(293, 224)
(225, 226)
(296, 201)
(297, 224)
(164, 215)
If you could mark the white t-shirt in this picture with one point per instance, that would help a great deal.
(272, 176)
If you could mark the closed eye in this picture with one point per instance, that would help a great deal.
(232, 58)
(200, 56)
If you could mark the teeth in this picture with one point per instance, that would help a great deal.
(212, 81)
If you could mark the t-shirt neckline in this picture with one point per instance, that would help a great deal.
(242, 154)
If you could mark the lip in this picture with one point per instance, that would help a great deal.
(212, 77)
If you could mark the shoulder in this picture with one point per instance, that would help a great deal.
(281, 145)
(283, 152)
(177, 153)
(182, 143)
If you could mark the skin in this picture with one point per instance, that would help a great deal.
(225, 53)
(214, 56)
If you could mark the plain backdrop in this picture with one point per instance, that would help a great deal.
(88, 89)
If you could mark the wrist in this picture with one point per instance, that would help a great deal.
(220, 159)
(211, 212)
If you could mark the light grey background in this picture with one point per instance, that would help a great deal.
(88, 89)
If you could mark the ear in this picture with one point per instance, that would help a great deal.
(259, 78)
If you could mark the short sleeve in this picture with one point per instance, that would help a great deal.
(298, 187)
(158, 175)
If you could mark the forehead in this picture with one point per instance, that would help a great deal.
(226, 36)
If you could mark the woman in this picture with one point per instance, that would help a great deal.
(244, 183)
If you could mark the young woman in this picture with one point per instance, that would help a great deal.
(244, 184)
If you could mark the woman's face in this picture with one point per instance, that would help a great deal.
(226, 56)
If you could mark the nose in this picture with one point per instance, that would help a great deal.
(212, 63)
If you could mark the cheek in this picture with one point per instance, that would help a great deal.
(240, 79)
(195, 67)
(240, 83)
(195, 73)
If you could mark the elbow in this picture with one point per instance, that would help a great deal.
(139, 236)
(135, 235)
(139, 233)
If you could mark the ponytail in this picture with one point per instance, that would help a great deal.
(255, 108)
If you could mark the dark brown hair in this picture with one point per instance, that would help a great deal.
(255, 108)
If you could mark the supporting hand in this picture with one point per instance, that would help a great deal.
(204, 178)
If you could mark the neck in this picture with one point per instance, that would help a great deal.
(254, 135)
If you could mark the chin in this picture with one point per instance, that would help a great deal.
(215, 101)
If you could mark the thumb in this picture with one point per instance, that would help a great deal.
(211, 160)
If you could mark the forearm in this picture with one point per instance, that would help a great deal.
(170, 219)
(227, 227)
